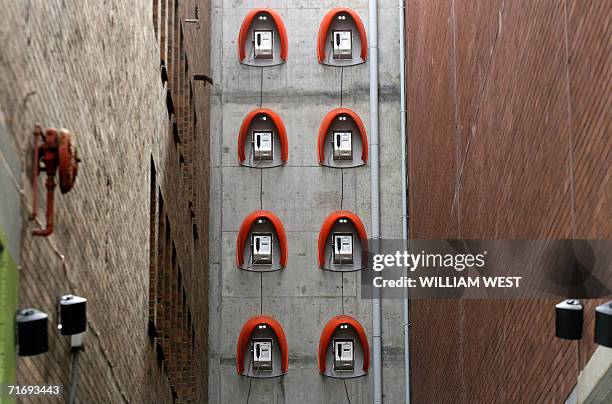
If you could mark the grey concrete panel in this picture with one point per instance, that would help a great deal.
(363, 197)
(393, 380)
(236, 282)
(240, 196)
(216, 130)
(214, 231)
(388, 48)
(319, 389)
(217, 38)
(234, 313)
(391, 203)
(389, 141)
(304, 196)
(214, 309)
(392, 320)
(214, 380)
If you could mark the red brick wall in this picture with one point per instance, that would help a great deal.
(509, 137)
(94, 68)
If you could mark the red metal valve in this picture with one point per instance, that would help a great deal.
(57, 153)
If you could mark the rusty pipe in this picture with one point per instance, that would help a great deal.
(35, 166)
(50, 158)
(50, 184)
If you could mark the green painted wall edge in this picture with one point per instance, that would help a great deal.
(8, 307)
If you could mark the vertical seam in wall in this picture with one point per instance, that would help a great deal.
(569, 122)
(456, 129)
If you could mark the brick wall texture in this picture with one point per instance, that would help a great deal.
(94, 68)
(509, 137)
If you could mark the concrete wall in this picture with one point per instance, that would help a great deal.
(94, 68)
(302, 297)
(509, 124)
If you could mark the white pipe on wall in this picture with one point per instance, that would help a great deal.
(403, 138)
(375, 194)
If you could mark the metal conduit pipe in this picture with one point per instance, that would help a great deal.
(403, 139)
(375, 195)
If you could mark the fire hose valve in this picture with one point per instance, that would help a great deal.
(56, 154)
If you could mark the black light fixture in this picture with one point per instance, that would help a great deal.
(603, 324)
(569, 318)
(72, 315)
(32, 335)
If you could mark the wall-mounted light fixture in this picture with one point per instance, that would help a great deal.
(72, 315)
(32, 333)
(58, 153)
(72, 321)
(603, 324)
(568, 319)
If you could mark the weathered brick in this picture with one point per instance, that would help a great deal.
(97, 73)
(519, 148)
